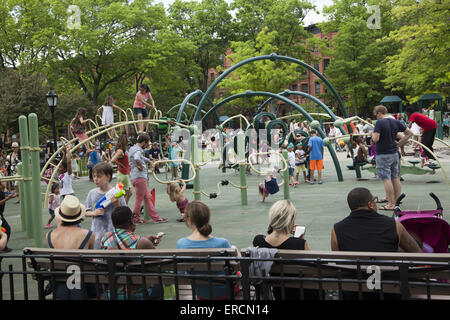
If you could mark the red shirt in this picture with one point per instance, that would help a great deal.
(125, 168)
(423, 121)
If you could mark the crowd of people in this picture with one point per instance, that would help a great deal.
(114, 219)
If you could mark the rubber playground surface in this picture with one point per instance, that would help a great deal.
(319, 207)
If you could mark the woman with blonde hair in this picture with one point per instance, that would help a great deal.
(282, 216)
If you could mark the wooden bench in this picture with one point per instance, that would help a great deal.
(184, 268)
(410, 275)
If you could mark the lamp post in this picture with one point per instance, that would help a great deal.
(52, 100)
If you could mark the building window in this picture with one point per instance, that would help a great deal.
(294, 87)
(316, 66)
(327, 42)
(304, 71)
(213, 76)
(305, 88)
(317, 87)
(326, 62)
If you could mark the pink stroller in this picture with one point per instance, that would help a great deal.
(426, 226)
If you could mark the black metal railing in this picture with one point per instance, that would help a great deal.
(35, 276)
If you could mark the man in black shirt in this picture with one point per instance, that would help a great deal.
(366, 230)
(155, 155)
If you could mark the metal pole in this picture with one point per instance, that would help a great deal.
(25, 153)
(23, 217)
(54, 129)
(194, 160)
(242, 166)
(36, 182)
(287, 194)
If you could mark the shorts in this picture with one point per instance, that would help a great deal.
(315, 164)
(388, 166)
(138, 111)
(51, 212)
(124, 179)
(291, 172)
(301, 167)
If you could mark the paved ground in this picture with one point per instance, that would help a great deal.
(318, 206)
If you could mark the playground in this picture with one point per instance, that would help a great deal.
(237, 212)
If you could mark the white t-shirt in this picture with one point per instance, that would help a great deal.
(415, 128)
(65, 181)
(298, 154)
(291, 158)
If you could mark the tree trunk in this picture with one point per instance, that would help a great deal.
(355, 102)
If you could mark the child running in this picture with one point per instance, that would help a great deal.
(101, 222)
(53, 203)
(176, 194)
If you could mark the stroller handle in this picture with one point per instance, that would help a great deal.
(397, 203)
(436, 199)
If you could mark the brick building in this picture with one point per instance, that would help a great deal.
(308, 82)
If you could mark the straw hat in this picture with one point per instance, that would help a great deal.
(14, 145)
(70, 210)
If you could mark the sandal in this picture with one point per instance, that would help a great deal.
(386, 208)
(381, 201)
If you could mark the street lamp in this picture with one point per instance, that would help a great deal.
(52, 100)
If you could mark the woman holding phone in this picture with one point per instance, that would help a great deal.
(282, 227)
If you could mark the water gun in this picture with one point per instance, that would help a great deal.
(105, 201)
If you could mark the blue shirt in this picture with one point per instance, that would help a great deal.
(94, 157)
(316, 143)
(388, 129)
(218, 291)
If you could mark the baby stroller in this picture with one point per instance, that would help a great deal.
(426, 226)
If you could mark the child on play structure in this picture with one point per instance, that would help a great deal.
(176, 194)
(300, 162)
(53, 203)
(270, 185)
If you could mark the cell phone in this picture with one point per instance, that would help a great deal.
(299, 231)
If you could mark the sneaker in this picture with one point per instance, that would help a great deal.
(320, 182)
(295, 183)
(48, 226)
(180, 220)
(311, 182)
(162, 220)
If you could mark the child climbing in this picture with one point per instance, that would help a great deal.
(176, 194)
(270, 185)
(53, 203)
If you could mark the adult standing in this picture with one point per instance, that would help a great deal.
(388, 160)
(13, 160)
(316, 148)
(140, 104)
(155, 155)
(139, 177)
(429, 127)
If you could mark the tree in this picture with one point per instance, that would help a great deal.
(422, 64)
(107, 48)
(263, 75)
(356, 69)
(208, 25)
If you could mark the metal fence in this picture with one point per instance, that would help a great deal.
(49, 276)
